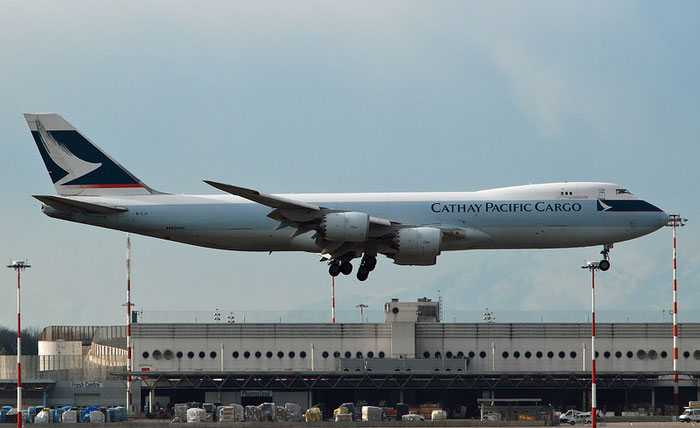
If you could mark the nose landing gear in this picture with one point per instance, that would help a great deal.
(605, 263)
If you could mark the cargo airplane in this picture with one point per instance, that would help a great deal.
(409, 228)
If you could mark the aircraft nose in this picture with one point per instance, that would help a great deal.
(664, 218)
(659, 218)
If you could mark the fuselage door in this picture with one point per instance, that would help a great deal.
(601, 193)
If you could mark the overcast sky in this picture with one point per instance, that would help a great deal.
(350, 97)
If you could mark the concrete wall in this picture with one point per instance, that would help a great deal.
(620, 347)
(106, 355)
(288, 345)
(60, 354)
(60, 347)
(546, 354)
(30, 367)
(423, 310)
(518, 347)
(403, 340)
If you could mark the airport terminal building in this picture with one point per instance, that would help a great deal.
(412, 357)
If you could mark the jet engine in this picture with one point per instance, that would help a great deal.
(417, 246)
(345, 226)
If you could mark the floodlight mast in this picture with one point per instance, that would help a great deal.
(489, 316)
(362, 307)
(129, 367)
(332, 300)
(19, 265)
(593, 266)
(675, 220)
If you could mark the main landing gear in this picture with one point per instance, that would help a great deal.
(605, 263)
(339, 266)
(367, 265)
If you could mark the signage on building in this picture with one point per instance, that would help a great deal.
(256, 394)
(86, 385)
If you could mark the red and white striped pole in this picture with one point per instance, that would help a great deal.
(675, 317)
(675, 220)
(594, 401)
(19, 265)
(592, 266)
(19, 356)
(333, 299)
(128, 323)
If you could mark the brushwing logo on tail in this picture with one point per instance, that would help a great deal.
(59, 153)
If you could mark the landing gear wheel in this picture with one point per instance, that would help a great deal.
(334, 269)
(370, 262)
(346, 268)
(605, 263)
(362, 272)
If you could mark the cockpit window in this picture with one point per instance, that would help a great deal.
(622, 192)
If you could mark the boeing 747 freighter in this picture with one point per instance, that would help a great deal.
(409, 228)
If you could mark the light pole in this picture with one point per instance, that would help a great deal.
(332, 300)
(128, 305)
(675, 220)
(19, 265)
(489, 317)
(593, 266)
(362, 307)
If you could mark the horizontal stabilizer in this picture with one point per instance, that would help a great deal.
(65, 204)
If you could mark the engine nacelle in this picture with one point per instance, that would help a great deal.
(346, 227)
(417, 246)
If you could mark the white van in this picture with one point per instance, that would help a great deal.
(690, 415)
(573, 417)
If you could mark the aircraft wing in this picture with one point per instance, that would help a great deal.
(304, 217)
(271, 201)
(280, 203)
(66, 204)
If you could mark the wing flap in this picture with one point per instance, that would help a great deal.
(65, 204)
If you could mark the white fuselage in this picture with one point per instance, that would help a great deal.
(554, 215)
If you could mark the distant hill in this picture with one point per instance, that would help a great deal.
(30, 341)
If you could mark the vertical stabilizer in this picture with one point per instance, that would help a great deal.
(77, 166)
